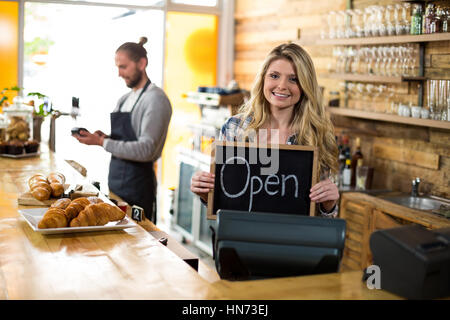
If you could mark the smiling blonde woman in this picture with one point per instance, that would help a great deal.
(285, 107)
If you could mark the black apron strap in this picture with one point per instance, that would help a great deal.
(137, 100)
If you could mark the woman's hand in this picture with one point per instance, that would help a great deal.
(325, 192)
(202, 183)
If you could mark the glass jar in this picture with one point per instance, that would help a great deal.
(19, 119)
(3, 125)
(334, 99)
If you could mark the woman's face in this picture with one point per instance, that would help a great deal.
(280, 84)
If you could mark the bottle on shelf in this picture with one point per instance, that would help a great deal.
(436, 21)
(341, 163)
(355, 157)
(347, 173)
(416, 20)
(427, 18)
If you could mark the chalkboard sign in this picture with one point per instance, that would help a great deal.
(266, 179)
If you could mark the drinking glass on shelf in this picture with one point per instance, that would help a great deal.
(351, 94)
(406, 17)
(340, 24)
(358, 23)
(381, 26)
(349, 31)
(340, 60)
(367, 16)
(398, 22)
(431, 88)
(331, 19)
(389, 20)
(360, 93)
(374, 21)
(356, 62)
(398, 58)
(378, 60)
(370, 60)
(369, 96)
(361, 177)
(442, 101)
(390, 91)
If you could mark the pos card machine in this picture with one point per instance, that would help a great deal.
(414, 262)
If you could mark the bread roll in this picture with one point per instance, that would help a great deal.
(40, 190)
(36, 178)
(56, 181)
(56, 177)
(57, 189)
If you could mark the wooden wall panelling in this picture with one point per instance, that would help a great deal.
(414, 157)
(261, 27)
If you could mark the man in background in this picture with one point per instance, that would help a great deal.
(139, 125)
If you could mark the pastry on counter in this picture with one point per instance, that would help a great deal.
(62, 203)
(31, 146)
(56, 181)
(15, 147)
(75, 207)
(39, 187)
(97, 214)
(42, 187)
(80, 212)
(53, 218)
(3, 147)
(94, 199)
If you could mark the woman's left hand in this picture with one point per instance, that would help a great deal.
(325, 192)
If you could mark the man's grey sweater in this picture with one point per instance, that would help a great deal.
(150, 121)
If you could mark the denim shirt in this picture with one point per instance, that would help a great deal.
(233, 130)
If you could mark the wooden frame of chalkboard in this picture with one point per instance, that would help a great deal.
(301, 204)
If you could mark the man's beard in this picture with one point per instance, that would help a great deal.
(135, 80)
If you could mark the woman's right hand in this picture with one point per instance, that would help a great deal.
(202, 183)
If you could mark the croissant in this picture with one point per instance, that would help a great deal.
(53, 218)
(56, 181)
(97, 214)
(75, 207)
(61, 203)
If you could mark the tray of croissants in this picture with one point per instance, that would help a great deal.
(79, 215)
(45, 189)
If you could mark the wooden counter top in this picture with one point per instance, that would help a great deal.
(127, 264)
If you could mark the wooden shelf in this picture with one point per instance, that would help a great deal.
(389, 118)
(370, 78)
(389, 39)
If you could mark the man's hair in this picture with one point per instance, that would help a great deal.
(135, 51)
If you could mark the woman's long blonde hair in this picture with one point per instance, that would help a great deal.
(309, 121)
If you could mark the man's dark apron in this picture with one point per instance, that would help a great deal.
(134, 182)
